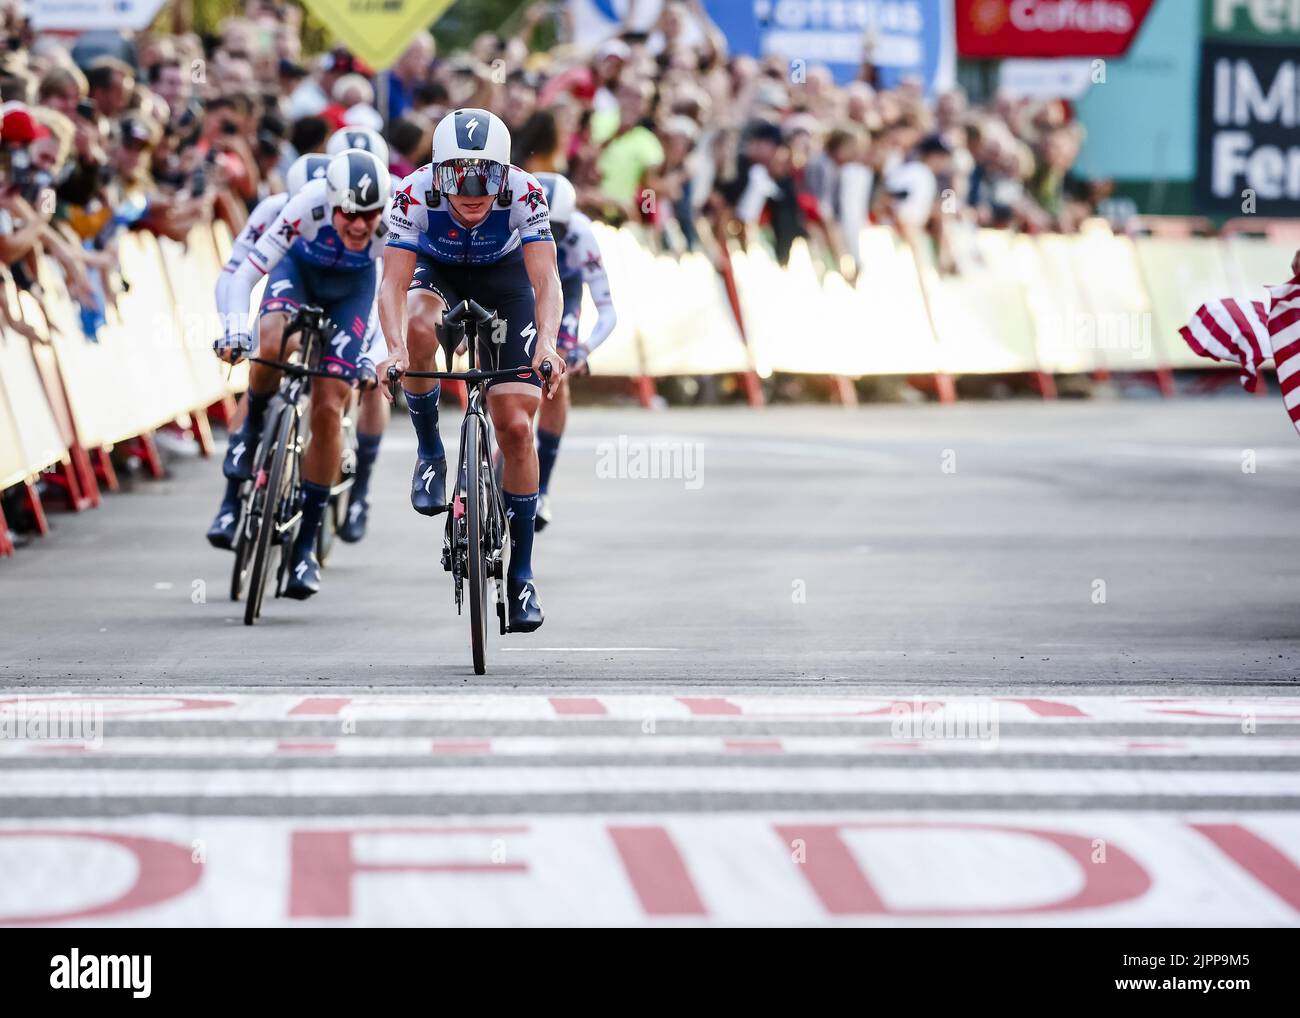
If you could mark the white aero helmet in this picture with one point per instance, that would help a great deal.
(471, 154)
(357, 137)
(357, 181)
(560, 196)
(305, 168)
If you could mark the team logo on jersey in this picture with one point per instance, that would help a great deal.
(403, 199)
(288, 230)
(534, 197)
(453, 233)
(471, 129)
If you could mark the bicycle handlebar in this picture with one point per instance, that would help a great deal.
(297, 370)
(469, 377)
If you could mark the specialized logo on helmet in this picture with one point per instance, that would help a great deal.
(534, 198)
(403, 199)
(288, 230)
(472, 129)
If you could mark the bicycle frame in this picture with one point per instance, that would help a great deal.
(456, 540)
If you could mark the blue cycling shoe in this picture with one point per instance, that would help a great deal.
(429, 487)
(525, 610)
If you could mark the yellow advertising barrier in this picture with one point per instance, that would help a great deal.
(620, 354)
(695, 332)
(1180, 276)
(1055, 300)
(148, 334)
(980, 316)
(191, 272)
(14, 468)
(1117, 323)
(39, 441)
(820, 329)
(888, 308)
(1253, 263)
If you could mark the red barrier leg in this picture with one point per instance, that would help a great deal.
(6, 545)
(104, 469)
(645, 391)
(64, 477)
(1045, 384)
(845, 394)
(753, 389)
(33, 502)
(143, 446)
(85, 473)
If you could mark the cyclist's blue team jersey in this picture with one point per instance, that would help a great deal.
(435, 234)
(580, 262)
(301, 231)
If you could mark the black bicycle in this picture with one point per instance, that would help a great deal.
(477, 535)
(270, 504)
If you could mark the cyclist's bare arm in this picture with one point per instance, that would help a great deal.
(539, 260)
(399, 267)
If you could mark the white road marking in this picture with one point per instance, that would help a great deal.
(109, 781)
(1135, 748)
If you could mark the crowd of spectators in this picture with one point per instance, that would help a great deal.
(104, 133)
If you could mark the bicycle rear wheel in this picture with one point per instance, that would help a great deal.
(267, 549)
(476, 508)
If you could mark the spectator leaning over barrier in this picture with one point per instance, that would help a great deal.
(35, 146)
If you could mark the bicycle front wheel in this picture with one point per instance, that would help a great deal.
(267, 548)
(239, 572)
(476, 508)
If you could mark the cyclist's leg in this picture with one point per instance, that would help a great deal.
(428, 299)
(513, 402)
(553, 415)
(242, 442)
(340, 355)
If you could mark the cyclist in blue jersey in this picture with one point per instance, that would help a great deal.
(580, 266)
(322, 249)
(470, 225)
(373, 414)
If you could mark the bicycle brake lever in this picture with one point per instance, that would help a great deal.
(392, 379)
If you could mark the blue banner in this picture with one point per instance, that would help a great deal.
(908, 38)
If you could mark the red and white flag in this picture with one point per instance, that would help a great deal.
(1248, 333)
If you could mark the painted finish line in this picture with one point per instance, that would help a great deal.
(974, 868)
(1238, 711)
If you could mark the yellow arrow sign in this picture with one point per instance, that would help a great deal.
(377, 30)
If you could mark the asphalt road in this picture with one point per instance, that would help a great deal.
(736, 709)
(966, 547)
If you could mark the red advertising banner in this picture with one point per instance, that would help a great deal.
(1048, 28)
